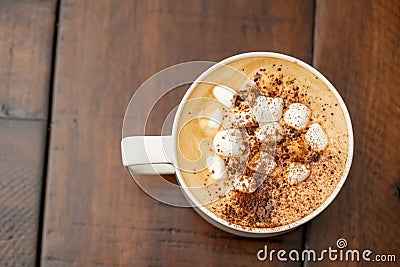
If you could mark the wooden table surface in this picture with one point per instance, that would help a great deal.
(67, 71)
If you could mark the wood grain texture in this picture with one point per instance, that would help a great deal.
(95, 215)
(26, 39)
(357, 46)
(21, 171)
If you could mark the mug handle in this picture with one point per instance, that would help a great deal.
(148, 154)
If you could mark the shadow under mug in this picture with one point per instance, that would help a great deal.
(158, 155)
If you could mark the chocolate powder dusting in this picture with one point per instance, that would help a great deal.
(276, 202)
(249, 95)
(258, 208)
(252, 209)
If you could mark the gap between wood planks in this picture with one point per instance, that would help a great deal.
(48, 135)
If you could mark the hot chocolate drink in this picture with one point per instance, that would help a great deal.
(265, 153)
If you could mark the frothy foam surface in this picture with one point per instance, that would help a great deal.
(283, 146)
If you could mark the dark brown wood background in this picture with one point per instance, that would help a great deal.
(67, 71)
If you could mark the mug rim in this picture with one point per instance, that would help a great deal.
(245, 230)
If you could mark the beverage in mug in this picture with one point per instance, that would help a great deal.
(282, 143)
(265, 150)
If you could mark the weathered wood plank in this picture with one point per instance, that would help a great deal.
(357, 46)
(26, 40)
(95, 214)
(21, 170)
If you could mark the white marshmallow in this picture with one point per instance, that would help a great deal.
(268, 109)
(262, 162)
(245, 184)
(229, 143)
(216, 166)
(224, 95)
(269, 132)
(297, 173)
(297, 115)
(316, 137)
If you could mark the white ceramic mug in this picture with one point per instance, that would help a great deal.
(158, 154)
